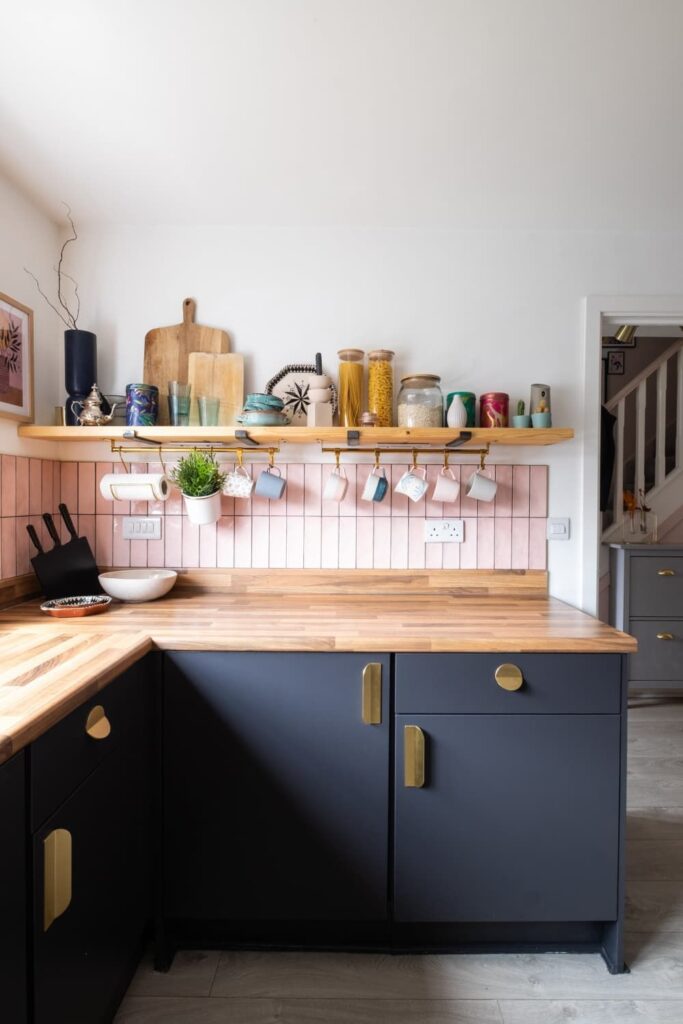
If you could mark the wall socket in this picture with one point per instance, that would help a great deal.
(142, 527)
(444, 531)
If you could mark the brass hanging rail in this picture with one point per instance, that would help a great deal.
(450, 452)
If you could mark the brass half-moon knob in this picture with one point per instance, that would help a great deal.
(665, 636)
(97, 725)
(509, 677)
(666, 572)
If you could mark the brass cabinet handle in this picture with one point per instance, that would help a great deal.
(666, 572)
(56, 875)
(665, 636)
(509, 677)
(97, 725)
(371, 704)
(413, 756)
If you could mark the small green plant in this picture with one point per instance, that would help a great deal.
(198, 475)
(520, 408)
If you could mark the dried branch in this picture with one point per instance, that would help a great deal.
(76, 295)
(70, 319)
(72, 238)
(41, 292)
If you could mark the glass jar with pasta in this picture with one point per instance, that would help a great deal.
(350, 386)
(381, 385)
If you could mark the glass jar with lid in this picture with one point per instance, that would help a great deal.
(350, 386)
(381, 385)
(420, 402)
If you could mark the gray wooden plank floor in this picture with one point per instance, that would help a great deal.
(312, 988)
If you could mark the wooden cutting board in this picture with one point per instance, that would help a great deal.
(221, 376)
(167, 350)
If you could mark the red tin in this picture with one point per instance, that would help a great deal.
(493, 409)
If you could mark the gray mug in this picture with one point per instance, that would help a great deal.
(270, 485)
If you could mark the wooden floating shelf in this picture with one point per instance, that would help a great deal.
(369, 437)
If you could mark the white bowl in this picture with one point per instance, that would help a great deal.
(138, 584)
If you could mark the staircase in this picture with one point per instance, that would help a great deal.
(649, 441)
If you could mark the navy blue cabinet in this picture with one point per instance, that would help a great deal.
(13, 892)
(276, 789)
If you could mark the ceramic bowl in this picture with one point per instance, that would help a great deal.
(75, 607)
(262, 419)
(138, 585)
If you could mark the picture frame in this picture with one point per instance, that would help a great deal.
(16, 360)
(616, 362)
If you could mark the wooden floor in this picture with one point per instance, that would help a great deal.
(260, 988)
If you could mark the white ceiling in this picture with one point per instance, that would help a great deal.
(466, 113)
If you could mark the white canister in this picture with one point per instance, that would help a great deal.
(203, 511)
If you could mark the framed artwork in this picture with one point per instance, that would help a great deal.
(16, 360)
(615, 362)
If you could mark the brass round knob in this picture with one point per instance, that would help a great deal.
(97, 725)
(509, 677)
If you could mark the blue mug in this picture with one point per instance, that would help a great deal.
(142, 405)
(270, 485)
(376, 486)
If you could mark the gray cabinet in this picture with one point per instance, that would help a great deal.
(646, 600)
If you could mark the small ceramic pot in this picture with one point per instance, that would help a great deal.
(521, 421)
(203, 511)
(540, 419)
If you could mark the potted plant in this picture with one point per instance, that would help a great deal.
(201, 480)
(520, 420)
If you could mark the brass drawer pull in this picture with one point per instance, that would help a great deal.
(97, 725)
(413, 756)
(665, 636)
(56, 875)
(371, 703)
(666, 572)
(509, 677)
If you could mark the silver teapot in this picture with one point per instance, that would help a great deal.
(91, 414)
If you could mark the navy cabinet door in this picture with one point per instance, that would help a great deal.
(13, 909)
(517, 820)
(276, 792)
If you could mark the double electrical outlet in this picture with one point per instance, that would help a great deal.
(444, 531)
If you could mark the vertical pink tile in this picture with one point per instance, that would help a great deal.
(260, 541)
(537, 544)
(56, 485)
(434, 509)
(121, 547)
(364, 543)
(156, 551)
(86, 487)
(312, 490)
(485, 543)
(503, 500)
(225, 542)
(277, 555)
(227, 505)
(104, 540)
(347, 542)
(416, 544)
(102, 506)
(295, 541)
(520, 491)
(86, 528)
(468, 506)
(347, 506)
(399, 543)
(329, 548)
(139, 508)
(35, 488)
(279, 507)
(451, 556)
(520, 543)
(363, 508)
(381, 556)
(173, 542)
(295, 489)
(313, 529)
(502, 540)
(8, 543)
(190, 544)
(8, 495)
(207, 546)
(399, 502)
(434, 555)
(173, 505)
(69, 486)
(468, 548)
(22, 486)
(538, 491)
(485, 509)
(47, 501)
(329, 508)
(22, 544)
(138, 554)
(242, 539)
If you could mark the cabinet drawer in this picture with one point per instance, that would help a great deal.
(658, 657)
(466, 684)
(653, 591)
(68, 752)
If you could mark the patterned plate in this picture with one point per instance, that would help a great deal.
(75, 607)
(291, 384)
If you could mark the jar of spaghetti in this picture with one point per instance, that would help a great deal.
(493, 409)
(350, 386)
(381, 385)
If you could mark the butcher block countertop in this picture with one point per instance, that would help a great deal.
(48, 667)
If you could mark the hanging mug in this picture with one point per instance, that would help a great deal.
(446, 488)
(376, 485)
(336, 485)
(238, 483)
(270, 484)
(412, 484)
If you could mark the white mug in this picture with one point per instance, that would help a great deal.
(412, 484)
(375, 486)
(446, 488)
(481, 487)
(238, 483)
(336, 485)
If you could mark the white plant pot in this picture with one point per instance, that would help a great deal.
(203, 511)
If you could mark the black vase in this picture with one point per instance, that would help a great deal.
(80, 368)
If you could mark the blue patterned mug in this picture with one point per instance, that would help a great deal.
(142, 405)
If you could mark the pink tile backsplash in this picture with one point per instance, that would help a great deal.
(301, 531)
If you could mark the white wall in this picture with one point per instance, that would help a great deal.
(486, 309)
(29, 238)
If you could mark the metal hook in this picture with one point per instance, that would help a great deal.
(271, 457)
(446, 456)
(123, 463)
(337, 456)
(414, 465)
(376, 458)
(240, 456)
(482, 458)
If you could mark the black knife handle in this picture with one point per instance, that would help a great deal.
(51, 528)
(68, 521)
(31, 531)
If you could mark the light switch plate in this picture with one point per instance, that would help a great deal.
(142, 527)
(444, 531)
(558, 529)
